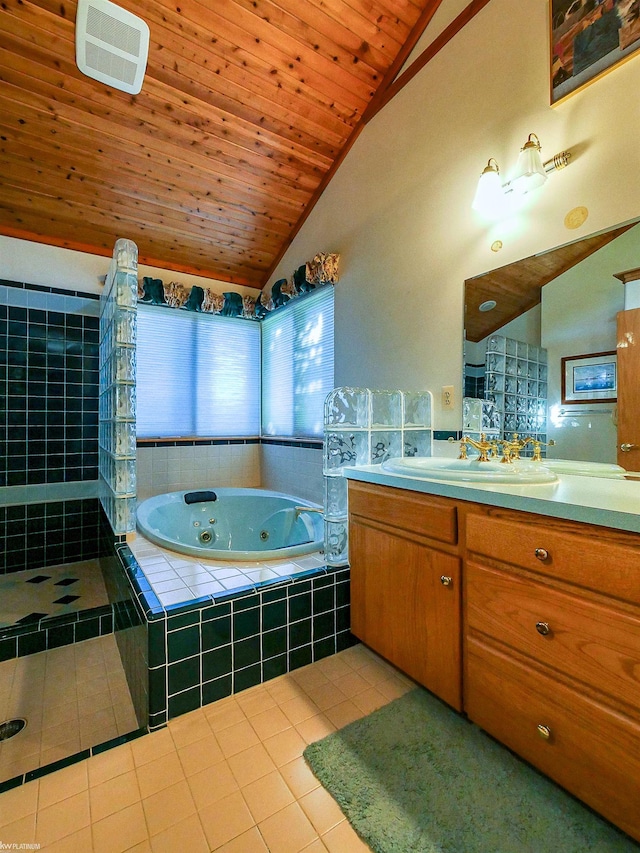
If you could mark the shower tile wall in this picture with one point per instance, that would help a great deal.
(48, 425)
(45, 534)
(49, 375)
(168, 466)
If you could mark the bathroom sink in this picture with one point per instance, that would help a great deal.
(585, 469)
(523, 472)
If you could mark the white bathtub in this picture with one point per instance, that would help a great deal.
(240, 524)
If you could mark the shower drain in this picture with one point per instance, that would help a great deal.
(264, 535)
(10, 728)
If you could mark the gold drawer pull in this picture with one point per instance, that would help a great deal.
(544, 732)
(541, 553)
(446, 581)
(543, 628)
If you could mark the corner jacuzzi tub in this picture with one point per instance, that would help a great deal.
(232, 524)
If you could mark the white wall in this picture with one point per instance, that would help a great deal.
(51, 266)
(525, 328)
(398, 210)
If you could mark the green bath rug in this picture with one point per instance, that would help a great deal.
(415, 777)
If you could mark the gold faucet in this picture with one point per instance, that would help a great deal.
(510, 448)
(537, 457)
(485, 448)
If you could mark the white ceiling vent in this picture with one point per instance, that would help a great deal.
(111, 45)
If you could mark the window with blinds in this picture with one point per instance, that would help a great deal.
(297, 366)
(197, 374)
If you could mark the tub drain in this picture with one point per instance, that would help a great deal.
(205, 537)
(10, 728)
(264, 535)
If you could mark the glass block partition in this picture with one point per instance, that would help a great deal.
(516, 383)
(117, 408)
(480, 416)
(365, 427)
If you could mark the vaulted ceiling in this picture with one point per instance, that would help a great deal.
(246, 110)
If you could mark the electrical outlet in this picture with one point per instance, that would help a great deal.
(447, 397)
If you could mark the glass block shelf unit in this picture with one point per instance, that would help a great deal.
(117, 407)
(516, 383)
(365, 427)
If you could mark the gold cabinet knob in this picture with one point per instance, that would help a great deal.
(544, 732)
(541, 553)
(445, 580)
(543, 628)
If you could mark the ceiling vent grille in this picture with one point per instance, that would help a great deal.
(111, 45)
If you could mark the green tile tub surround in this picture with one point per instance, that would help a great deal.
(205, 650)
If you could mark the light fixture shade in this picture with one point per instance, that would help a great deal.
(489, 199)
(529, 173)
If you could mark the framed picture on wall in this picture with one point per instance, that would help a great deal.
(588, 39)
(590, 378)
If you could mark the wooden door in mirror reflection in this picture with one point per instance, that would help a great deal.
(628, 387)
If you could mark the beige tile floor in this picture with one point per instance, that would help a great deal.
(72, 698)
(228, 777)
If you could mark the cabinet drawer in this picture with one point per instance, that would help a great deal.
(591, 751)
(588, 641)
(413, 512)
(593, 557)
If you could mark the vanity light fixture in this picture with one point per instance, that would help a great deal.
(489, 198)
(529, 174)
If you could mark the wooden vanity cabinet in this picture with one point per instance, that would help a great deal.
(552, 651)
(406, 583)
(546, 623)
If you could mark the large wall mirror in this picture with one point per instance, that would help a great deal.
(560, 305)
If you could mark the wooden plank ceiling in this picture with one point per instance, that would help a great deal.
(517, 287)
(245, 108)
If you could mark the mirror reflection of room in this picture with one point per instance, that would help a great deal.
(522, 320)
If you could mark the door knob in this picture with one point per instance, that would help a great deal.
(625, 448)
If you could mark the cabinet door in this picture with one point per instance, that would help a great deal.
(401, 608)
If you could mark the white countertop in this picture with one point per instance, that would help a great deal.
(593, 500)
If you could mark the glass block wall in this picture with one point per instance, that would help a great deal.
(480, 416)
(117, 406)
(365, 427)
(516, 383)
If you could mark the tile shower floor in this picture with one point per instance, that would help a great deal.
(228, 777)
(176, 578)
(72, 698)
(31, 595)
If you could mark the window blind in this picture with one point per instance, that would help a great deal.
(196, 374)
(297, 366)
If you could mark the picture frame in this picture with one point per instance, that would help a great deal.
(591, 378)
(589, 38)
